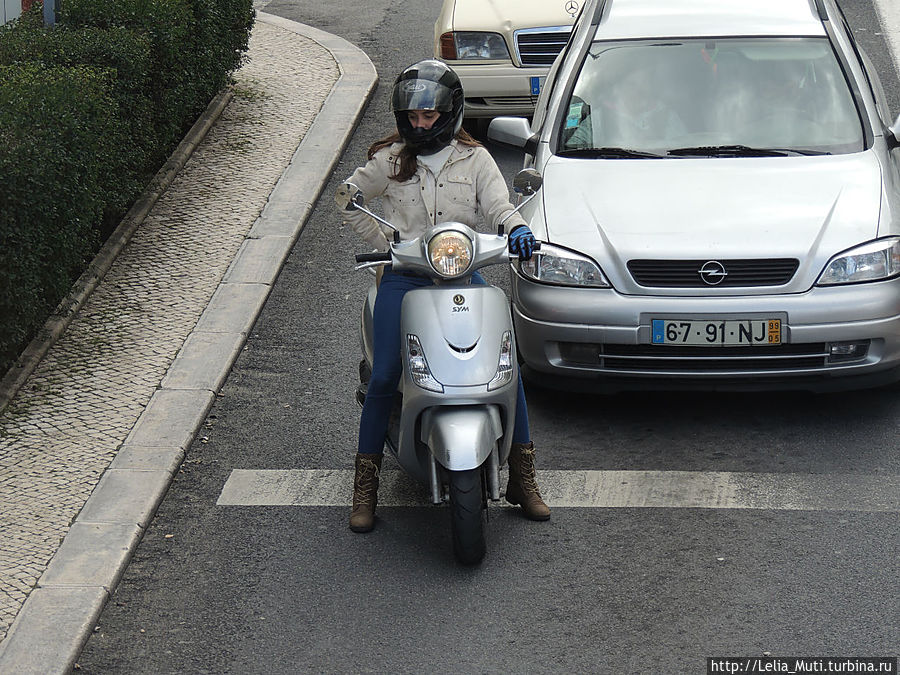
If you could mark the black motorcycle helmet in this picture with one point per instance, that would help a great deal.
(428, 85)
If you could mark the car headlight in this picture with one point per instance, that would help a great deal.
(471, 45)
(552, 265)
(504, 372)
(874, 261)
(450, 253)
(418, 366)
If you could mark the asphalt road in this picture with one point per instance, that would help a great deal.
(216, 589)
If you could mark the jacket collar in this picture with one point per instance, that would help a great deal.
(459, 150)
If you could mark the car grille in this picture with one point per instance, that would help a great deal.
(540, 48)
(506, 101)
(687, 273)
(698, 360)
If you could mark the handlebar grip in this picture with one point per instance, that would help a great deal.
(377, 256)
(537, 246)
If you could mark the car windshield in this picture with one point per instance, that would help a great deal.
(734, 97)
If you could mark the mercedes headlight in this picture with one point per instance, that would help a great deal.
(450, 253)
(466, 45)
(874, 261)
(552, 265)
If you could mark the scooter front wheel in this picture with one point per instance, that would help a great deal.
(467, 516)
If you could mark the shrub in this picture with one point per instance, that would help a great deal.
(195, 45)
(89, 110)
(125, 56)
(57, 138)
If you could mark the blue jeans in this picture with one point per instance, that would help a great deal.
(387, 366)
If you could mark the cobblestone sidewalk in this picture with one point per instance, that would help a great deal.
(62, 430)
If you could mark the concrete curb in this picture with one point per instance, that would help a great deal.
(68, 307)
(59, 615)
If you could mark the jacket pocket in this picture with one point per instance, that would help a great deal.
(458, 198)
(407, 193)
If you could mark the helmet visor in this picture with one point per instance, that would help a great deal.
(415, 94)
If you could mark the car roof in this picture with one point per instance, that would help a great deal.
(630, 19)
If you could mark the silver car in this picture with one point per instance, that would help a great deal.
(720, 203)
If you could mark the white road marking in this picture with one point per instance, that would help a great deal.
(592, 489)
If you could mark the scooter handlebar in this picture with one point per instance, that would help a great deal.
(377, 256)
(537, 247)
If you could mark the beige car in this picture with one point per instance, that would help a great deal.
(502, 49)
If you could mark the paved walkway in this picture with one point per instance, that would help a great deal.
(89, 444)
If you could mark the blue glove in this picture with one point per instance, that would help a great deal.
(522, 242)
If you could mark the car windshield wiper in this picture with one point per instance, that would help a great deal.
(740, 151)
(601, 153)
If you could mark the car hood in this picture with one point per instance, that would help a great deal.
(808, 208)
(510, 15)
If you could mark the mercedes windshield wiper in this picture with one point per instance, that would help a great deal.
(610, 153)
(740, 151)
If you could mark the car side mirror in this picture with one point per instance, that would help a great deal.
(893, 136)
(514, 131)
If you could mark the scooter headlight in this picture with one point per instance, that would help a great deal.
(450, 253)
(418, 366)
(504, 367)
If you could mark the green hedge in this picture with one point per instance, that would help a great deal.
(125, 56)
(89, 110)
(55, 132)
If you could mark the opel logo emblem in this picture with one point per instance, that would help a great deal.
(458, 299)
(572, 7)
(712, 273)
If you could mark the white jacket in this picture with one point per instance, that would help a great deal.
(469, 189)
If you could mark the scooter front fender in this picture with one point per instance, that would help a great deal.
(461, 437)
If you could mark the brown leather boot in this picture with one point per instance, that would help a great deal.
(522, 488)
(365, 492)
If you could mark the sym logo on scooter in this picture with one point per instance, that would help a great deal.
(459, 300)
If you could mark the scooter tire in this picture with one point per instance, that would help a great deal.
(467, 516)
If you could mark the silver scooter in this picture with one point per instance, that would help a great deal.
(456, 403)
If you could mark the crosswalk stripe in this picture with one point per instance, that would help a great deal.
(591, 489)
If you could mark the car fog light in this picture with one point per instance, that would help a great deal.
(846, 351)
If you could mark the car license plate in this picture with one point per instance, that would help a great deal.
(536, 84)
(716, 332)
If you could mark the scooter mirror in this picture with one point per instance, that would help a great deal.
(348, 197)
(528, 181)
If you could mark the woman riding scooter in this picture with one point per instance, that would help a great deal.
(429, 171)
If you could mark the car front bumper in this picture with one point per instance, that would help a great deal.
(499, 89)
(598, 339)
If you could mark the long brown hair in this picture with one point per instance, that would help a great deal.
(405, 164)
